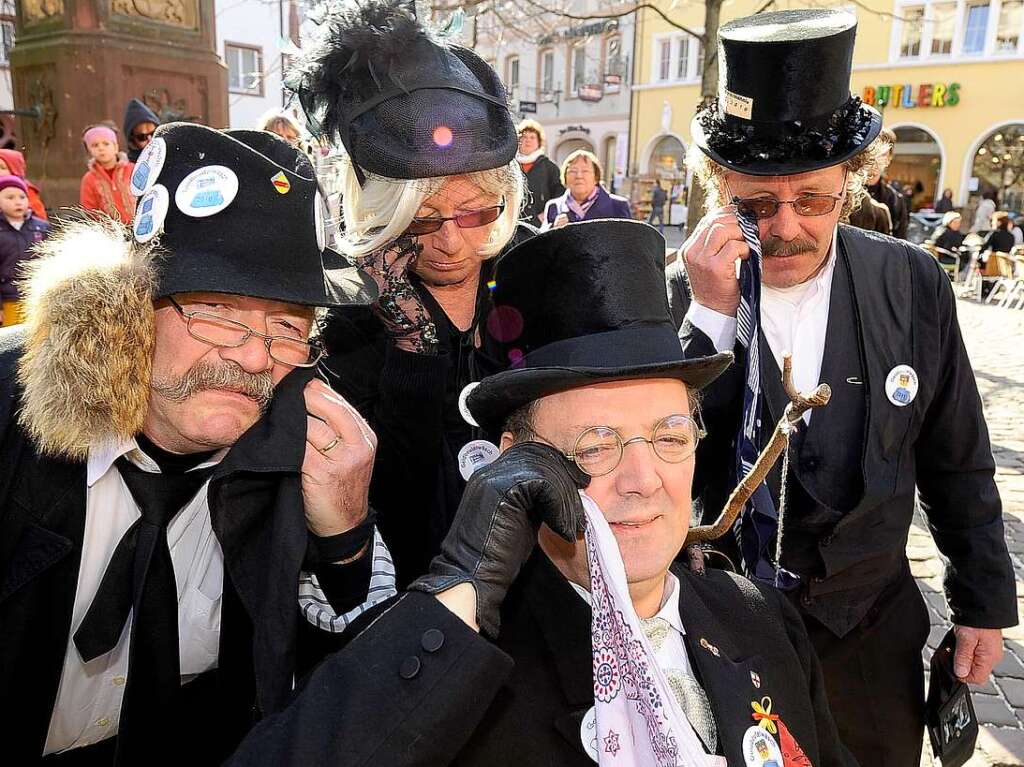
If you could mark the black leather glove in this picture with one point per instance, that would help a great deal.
(495, 528)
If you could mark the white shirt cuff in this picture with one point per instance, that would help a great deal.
(720, 328)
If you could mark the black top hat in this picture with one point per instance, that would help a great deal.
(784, 105)
(581, 305)
(238, 212)
(404, 104)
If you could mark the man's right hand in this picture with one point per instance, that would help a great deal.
(710, 255)
(495, 528)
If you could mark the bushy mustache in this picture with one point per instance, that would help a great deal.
(206, 375)
(775, 246)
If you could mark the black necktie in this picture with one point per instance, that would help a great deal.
(140, 580)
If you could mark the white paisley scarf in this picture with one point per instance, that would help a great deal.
(639, 721)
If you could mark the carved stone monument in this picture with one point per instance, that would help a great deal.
(79, 62)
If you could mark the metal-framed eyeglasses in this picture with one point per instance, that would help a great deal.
(598, 450)
(470, 220)
(220, 331)
(811, 204)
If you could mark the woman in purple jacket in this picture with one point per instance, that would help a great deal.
(584, 197)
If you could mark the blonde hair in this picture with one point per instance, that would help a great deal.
(531, 125)
(574, 156)
(275, 120)
(859, 168)
(950, 217)
(379, 211)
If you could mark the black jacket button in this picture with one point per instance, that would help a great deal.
(410, 667)
(432, 640)
(810, 464)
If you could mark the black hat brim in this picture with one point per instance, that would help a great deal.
(792, 166)
(500, 395)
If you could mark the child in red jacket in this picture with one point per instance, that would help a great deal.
(106, 185)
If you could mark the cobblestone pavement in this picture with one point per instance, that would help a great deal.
(995, 342)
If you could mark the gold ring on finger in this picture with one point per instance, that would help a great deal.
(330, 445)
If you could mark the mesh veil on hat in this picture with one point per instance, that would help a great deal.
(404, 103)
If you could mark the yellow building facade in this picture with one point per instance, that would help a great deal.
(947, 76)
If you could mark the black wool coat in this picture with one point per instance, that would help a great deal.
(411, 402)
(419, 688)
(936, 448)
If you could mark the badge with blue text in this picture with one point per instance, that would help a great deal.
(901, 385)
(475, 455)
(760, 749)
(206, 191)
(150, 213)
(464, 406)
(148, 167)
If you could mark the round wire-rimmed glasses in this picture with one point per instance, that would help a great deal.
(598, 450)
(220, 331)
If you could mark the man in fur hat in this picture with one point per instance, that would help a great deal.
(184, 506)
(604, 653)
(783, 157)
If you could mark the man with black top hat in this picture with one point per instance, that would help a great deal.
(602, 401)
(184, 507)
(772, 272)
(431, 196)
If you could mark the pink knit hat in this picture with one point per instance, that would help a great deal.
(6, 181)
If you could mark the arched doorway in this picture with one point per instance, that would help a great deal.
(570, 145)
(917, 164)
(998, 168)
(668, 158)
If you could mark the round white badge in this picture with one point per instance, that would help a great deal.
(760, 748)
(206, 191)
(148, 166)
(588, 733)
(463, 407)
(474, 455)
(150, 213)
(901, 385)
(318, 218)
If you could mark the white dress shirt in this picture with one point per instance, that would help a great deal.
(672, 654)
(88, 704)
(794, 321)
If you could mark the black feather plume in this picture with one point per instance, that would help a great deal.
(358, 53)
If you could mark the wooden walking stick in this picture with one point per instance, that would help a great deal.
(798, 405)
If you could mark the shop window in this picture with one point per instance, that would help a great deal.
(943, 28)
(910, 36)
(975, 28)
(664, 59)
(245, 69)
(1011, 16)
(512, 73)
(547, 74)
(999, 167)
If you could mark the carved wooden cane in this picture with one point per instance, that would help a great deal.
(798, 405)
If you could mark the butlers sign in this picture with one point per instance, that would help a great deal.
(912, 96)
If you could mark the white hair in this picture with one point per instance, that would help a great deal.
(379, 211)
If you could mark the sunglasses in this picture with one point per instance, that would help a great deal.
(140, 137)
(804, 204)
(471, 220)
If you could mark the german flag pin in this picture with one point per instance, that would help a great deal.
(281, 183)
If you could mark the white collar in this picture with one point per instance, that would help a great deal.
(102, 457)
(669, 601)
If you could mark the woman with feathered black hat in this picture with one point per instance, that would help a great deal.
(431, 194)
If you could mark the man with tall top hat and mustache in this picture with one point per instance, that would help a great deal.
(553, 627)
(183, 505)
(783, 154)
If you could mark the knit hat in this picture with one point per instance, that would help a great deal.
(6, 181)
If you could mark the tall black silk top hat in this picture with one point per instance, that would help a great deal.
(238, 212)
(581, 305)
(784, 105)
(404, 103)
